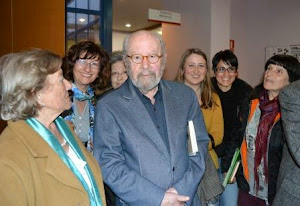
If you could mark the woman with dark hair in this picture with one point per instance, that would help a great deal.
(83, 66)
(232, 91)
(260, 133)
(42, 161)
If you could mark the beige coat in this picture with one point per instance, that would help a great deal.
(32, 174)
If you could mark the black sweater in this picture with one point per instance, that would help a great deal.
(231, 102)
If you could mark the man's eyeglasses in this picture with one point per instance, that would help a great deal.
(151, 58)
(84, 63)
(223, 70)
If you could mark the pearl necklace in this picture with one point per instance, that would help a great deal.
(63, 143)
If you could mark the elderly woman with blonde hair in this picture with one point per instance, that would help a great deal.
(42, 162)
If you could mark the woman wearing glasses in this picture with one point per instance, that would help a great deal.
(83, 66)
(116, 73)
(194, 72)
(117, 68)
(232, 91)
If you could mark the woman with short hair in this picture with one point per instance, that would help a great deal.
(260, 133)
(42, 162)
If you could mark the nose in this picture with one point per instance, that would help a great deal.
(145, 62)
(270, 72)
(120, 76)
(87, 68)
(196, 69)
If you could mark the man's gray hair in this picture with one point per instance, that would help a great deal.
(154, 34)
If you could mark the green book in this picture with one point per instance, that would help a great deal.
(235, 162)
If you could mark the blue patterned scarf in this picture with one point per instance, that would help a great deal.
(90, 97)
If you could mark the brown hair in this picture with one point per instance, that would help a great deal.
(91, 50)
(206, 86)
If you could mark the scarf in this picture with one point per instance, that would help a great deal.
(90, 97)
(93, 192)
(269, 110)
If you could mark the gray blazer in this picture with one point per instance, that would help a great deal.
(288, 183)
(134, 159)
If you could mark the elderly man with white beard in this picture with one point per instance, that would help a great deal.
(140, 137)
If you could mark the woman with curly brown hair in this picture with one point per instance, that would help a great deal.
(83, 66)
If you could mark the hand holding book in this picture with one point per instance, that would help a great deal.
(235, 163)
(192, 140)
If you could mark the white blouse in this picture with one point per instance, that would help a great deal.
(80, 164)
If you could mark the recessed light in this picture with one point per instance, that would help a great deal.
(81, 20)
(128, 25)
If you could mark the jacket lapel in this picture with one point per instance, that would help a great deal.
(39, 148)
(143, 120)
(171, 113)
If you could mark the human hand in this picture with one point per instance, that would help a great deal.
(229, 182)
(172, 198)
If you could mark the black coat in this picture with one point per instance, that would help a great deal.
(231, 102)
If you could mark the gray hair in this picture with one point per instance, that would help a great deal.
(116, 56)
(21, 76)
(157, 36)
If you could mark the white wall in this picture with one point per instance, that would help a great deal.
(257, 24)
(220, 26)
(194, 31)
(209, 24)
(117, 40)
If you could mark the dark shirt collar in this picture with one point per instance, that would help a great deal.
(142, 96)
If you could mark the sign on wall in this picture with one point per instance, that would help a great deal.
(293, 50)
(164, 16)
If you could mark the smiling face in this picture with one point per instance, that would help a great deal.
(85, 72)
(275, 78)
(145, 76)
(54, 96)
(195, 70)
(118, 74)
(225, 79)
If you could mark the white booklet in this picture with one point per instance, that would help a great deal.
(192, 140)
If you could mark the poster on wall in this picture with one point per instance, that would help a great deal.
(293, 50)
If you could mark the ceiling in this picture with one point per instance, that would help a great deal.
(134, 12)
